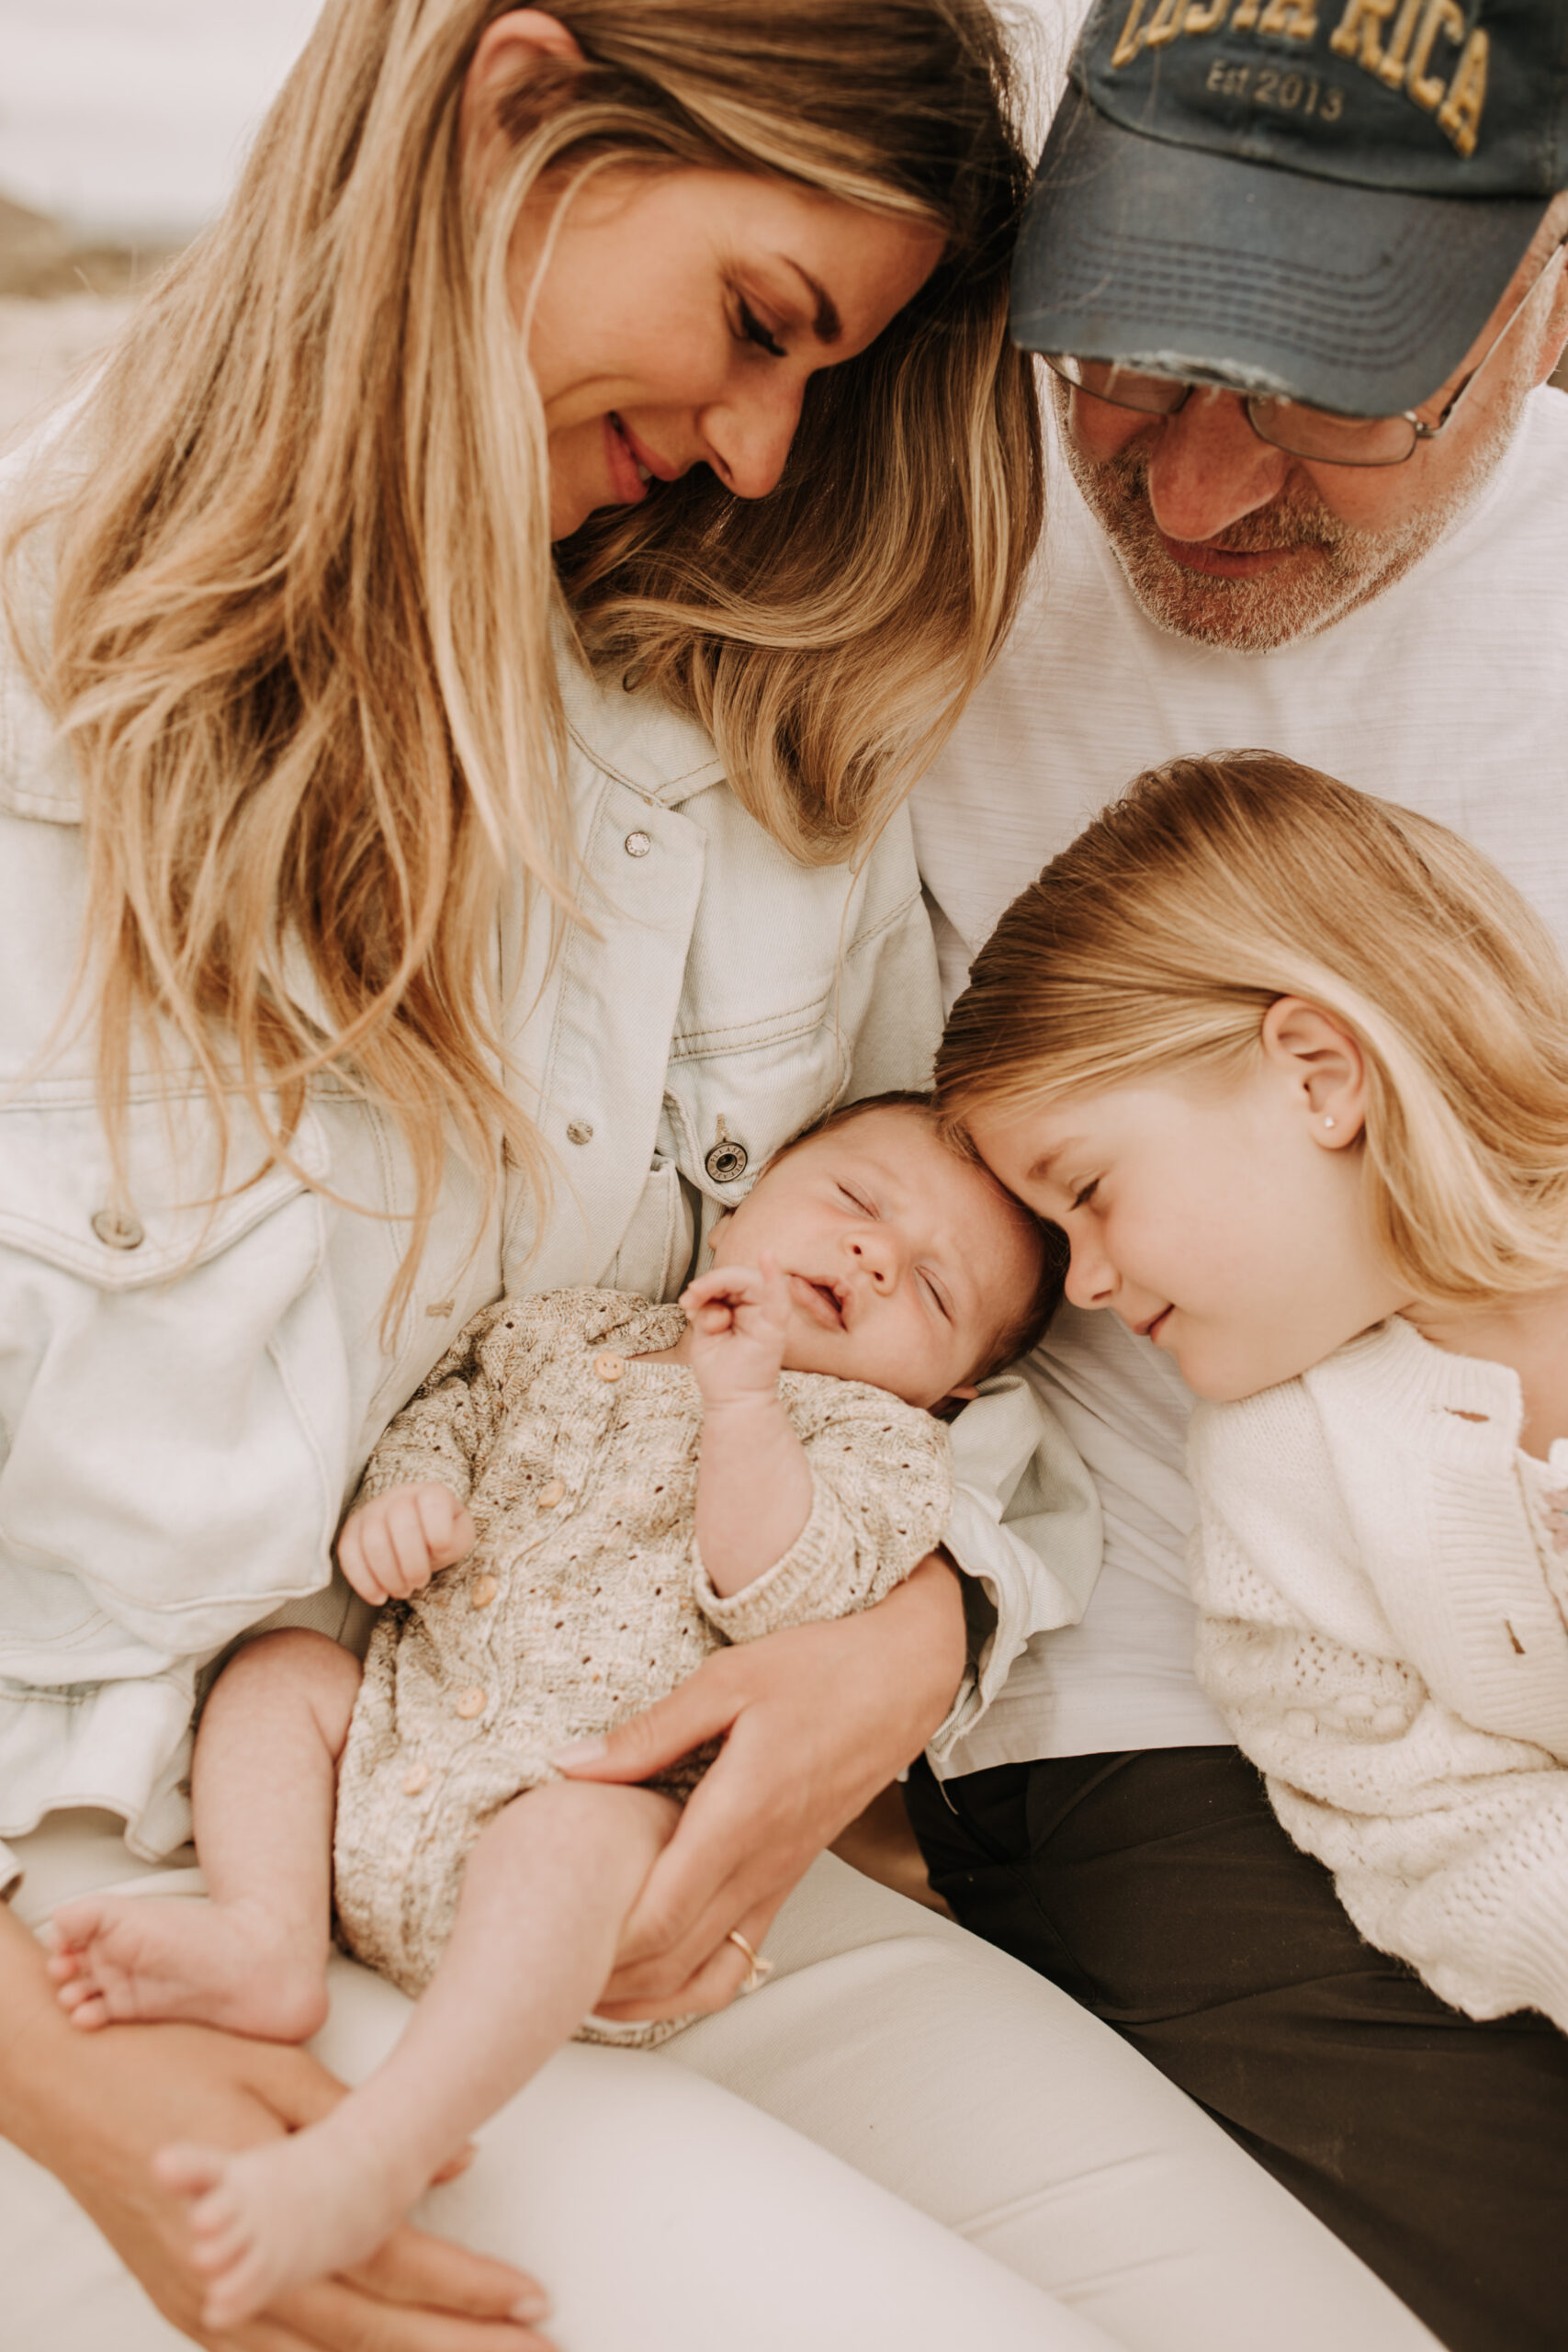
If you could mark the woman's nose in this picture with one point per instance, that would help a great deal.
(747, 434)
(1091, 1279)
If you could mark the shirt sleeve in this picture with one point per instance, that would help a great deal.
(1026, 1531)
(882, 1487)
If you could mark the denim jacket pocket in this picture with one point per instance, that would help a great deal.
(174, 1394)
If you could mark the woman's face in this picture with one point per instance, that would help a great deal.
(680, 314)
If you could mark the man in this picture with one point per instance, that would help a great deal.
(1298, 268)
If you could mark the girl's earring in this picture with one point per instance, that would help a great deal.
(1329, 1123)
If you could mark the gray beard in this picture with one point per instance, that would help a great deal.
(1346, 567)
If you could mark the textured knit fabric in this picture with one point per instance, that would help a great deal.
(584, 1599)
(1381, 1629)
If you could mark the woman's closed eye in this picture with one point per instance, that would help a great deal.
(752, 330)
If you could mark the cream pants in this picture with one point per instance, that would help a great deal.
(904, 2141)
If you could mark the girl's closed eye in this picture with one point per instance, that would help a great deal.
(1085, 1194)
(752, 330)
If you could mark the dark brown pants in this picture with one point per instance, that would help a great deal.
(1159, 1891)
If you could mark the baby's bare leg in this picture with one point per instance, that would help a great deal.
(545, 1896)
(252, 1960)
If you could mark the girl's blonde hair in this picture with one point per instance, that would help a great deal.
(293, 591)
(1156, 943)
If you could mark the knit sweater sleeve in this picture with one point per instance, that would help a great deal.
(1448, 1843)
(447, 1428)
(882, 1489)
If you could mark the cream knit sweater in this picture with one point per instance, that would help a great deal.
(1379, 1627)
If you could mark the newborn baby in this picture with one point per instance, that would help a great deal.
(624, 1485)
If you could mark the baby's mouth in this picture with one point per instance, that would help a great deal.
(822, 1300)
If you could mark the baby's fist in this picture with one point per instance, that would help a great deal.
(392, 1545)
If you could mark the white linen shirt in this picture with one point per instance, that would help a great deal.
(188, 1394)
(1448, 693)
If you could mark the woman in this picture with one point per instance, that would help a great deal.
(343, 983)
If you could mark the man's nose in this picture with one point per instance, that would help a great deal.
(1207, 467)
(747, 435)
(1091, 1279)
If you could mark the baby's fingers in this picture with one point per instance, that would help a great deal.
(444, 1523)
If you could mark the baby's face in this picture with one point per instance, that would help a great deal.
(904, 1263)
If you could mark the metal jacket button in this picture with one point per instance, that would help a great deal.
(118, 1230)
(637, 844)
(580, 1132)
(609, 1367)
(727, 1160)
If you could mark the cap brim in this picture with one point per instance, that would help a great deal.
(1165, 257)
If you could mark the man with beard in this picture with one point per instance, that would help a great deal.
(1298, 270)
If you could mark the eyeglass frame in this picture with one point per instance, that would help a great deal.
(1419, 431)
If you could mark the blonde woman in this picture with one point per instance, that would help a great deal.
(394, 911)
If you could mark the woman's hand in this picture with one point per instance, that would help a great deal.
(815, 1722)
(94, 2109)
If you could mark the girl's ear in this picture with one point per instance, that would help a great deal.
(1323, 1067)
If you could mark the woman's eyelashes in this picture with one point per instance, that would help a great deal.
(1085, 1194)
(753, 330)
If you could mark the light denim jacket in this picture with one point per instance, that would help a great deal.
(188, 1392)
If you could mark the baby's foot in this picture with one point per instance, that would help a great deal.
(229, 1964)
(272, 2218)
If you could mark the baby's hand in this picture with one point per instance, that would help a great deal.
(393, 1545)
(739, 1317)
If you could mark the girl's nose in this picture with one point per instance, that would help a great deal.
(1091, 1279)
(748, 434)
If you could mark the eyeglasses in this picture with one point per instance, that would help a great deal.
(1291, 426)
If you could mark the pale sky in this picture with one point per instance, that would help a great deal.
(133, 114)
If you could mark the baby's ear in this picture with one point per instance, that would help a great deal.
(965, 1396)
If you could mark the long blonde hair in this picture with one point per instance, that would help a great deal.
(1158, 942)
(299, 636)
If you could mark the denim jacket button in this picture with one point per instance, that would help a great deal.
(727, 1161)
(638, 844)
(580, 1132)
(117, 1230)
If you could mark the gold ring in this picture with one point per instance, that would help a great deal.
(760, 1969)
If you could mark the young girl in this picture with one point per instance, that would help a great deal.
(628, 1486)
(1289, 1065)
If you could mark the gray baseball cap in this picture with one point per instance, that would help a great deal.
(1322, 199)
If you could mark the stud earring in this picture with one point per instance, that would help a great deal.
(1329, 1123)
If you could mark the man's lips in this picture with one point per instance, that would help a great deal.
(823, 1302)
(1228, 563)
